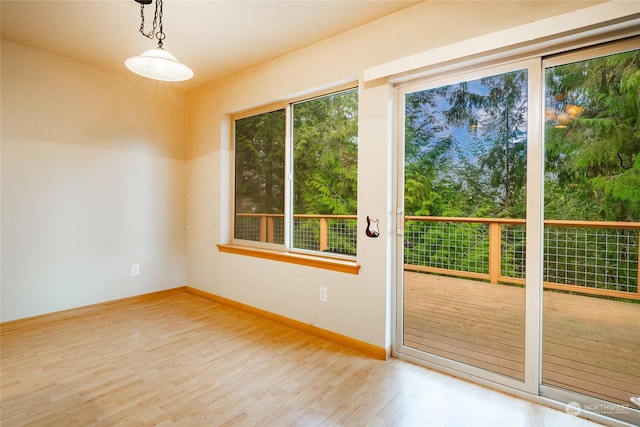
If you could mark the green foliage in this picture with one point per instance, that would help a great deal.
(259, 163)
(325, 153)
(465, 148)
(449, 245)
(427, 156)
(594, 158)
(325, 158)
(465, 155)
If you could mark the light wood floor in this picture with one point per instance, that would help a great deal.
(183, 360)
(590, 345)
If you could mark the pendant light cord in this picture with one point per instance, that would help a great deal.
(157, 23)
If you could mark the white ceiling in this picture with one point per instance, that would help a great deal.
(215, 38)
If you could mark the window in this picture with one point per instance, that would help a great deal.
(259, 179)
(296, 175)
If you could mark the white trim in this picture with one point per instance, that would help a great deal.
(591, 53)
(534, 227)
(590, 21)
(398, 129)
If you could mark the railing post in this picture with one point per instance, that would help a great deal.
(324, 234)
(270, 229)
(495, 242)
(263, 228)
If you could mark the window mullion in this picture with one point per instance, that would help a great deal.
(288, 178)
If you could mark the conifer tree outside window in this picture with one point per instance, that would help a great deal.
(296, 175)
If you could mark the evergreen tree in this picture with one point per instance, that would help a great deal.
(593, 139)
(259, 163)
(325, 141)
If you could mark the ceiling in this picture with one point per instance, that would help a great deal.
(215, 38)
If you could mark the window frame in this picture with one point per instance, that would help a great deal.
(283, 105)
(285, 251)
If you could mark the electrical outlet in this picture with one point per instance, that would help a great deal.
(135, 269)
(323, 293)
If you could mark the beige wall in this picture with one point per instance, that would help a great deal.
(359, 306)
(93, 180)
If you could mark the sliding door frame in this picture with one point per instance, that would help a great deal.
(533, 290)
(532, 387)
(600, 50)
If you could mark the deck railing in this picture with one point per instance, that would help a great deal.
(592, 257)
(324, 233)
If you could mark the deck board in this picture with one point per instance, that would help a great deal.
(590, 345)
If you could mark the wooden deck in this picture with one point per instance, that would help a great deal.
(590, 345)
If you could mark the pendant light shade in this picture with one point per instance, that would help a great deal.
(158, 64)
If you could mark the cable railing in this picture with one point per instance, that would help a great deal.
(322, 233)
(591, 257)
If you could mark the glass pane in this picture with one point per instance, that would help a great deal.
(464, 239)
(259, 177)
(591, 340)
(325, 183)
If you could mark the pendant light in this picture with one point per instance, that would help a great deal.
(157, 64)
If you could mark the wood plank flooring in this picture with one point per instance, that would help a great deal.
(590, 345)
(180, 360)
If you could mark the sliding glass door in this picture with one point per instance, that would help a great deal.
(464, 227)
(591, 341)
(518, 222)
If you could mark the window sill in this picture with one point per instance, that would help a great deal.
(326, 263)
